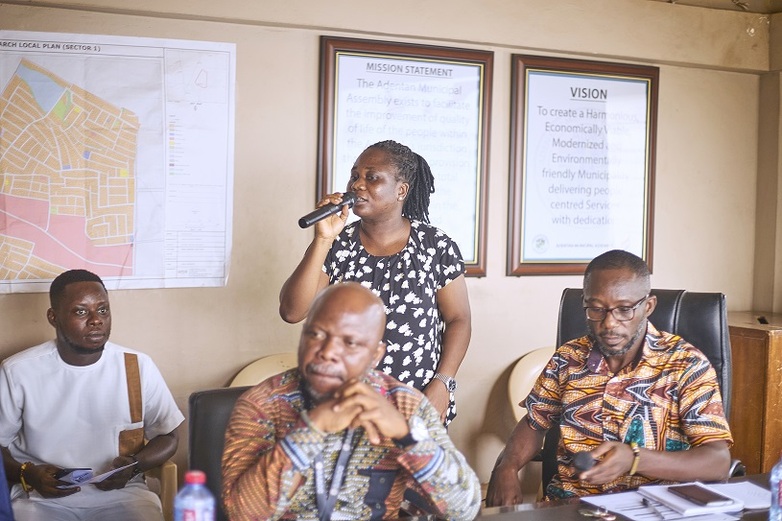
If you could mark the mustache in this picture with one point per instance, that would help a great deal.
(324, 369)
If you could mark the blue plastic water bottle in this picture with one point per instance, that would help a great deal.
(775, 512)
(194, 502)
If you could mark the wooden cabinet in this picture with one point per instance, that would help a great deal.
(756, 400)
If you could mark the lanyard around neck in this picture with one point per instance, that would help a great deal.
(327, 502)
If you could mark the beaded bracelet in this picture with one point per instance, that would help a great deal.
(636, 457)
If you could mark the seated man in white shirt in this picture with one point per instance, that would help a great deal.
(82, 401)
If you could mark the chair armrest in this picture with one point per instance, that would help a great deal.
(166, 474)
(737, 468)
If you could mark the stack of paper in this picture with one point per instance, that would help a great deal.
(684, 506)
(632, 506)
(753, 496)
(663, 505)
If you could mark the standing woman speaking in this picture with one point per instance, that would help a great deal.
(412, 266)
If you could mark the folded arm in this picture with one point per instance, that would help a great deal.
(441, 472)
(259, 476)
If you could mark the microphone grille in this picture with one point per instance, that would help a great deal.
(583, 461)
(349, 198)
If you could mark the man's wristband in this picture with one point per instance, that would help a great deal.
(137, 467)
(636, 458)
(25, 486)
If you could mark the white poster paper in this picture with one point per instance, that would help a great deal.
(585, 167)
(433, 107)
(116, 155)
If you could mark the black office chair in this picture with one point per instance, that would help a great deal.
(699, 318)
(210, 411)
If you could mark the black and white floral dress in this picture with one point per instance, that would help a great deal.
(407, 282)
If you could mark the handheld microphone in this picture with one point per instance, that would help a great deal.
(348, 199)
(583, 461)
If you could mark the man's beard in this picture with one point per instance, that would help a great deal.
(79, 350)
(630, 343)
(312, 398)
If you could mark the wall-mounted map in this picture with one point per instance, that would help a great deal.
(116, 155)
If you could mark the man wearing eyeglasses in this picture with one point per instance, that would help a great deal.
(644, 405)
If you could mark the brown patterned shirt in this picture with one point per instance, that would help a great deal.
(270, 449)
(669, 399)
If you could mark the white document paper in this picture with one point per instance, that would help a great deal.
(99, 477)
(631, 505)
(753, 496)
(684, 506)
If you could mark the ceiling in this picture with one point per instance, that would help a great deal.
(749, 6)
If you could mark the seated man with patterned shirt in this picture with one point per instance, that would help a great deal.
(335, 438)
(645, 404)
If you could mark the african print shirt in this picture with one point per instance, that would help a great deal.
(407, 283)
(668, 400)
(269, 453)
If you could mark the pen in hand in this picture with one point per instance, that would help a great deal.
(650, 505)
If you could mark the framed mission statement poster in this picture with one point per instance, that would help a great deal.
(435, 100)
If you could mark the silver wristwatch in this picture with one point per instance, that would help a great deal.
(418, 432)
(449, 382)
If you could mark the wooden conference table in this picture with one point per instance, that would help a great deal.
(567, 510)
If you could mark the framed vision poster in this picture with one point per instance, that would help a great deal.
(582, 163)
(436, 101)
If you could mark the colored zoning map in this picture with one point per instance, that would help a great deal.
(67, 178)
(116, 155)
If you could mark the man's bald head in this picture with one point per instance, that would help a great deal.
(342, 338)
(352, 297)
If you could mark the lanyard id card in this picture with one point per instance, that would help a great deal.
(327, 502)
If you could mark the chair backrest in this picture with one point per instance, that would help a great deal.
(699, 318)
(210, 411)
(523, 375)
(264, 368)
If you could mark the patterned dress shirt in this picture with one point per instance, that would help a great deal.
(668, 399)
(270, 449)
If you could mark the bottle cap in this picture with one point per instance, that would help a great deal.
(195, 477)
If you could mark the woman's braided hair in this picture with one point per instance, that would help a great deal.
(413, 170)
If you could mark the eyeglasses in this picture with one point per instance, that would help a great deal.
(620, 313)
